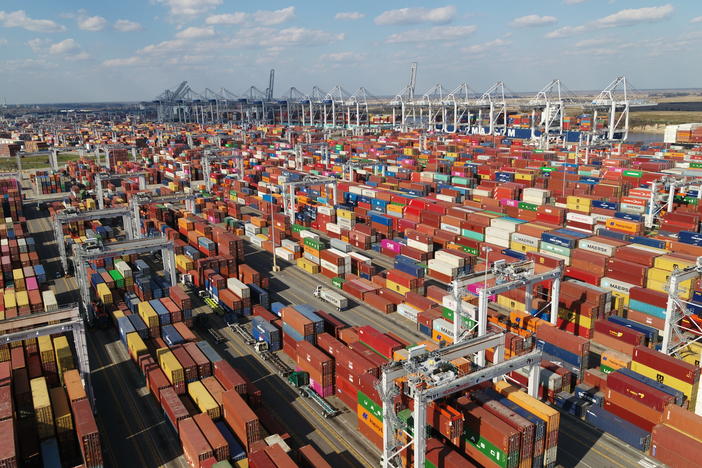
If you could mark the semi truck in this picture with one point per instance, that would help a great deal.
(337, 300)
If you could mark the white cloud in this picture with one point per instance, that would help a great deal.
(635, 16)
(343, 57)
(227, 18)
(3, 41)
(440, 15)
(124, 62)
(697, 19)
(300, 36)
(19, 19)
(269, 18)
(124, 25)
(573, 2)
(349, 15)
(592, 42)
(194, 32)
(92, 23)
(64, 47)
(565, 31)
(163, 47)
(533, 20)
(79, 57)
(260, 17)
(37, 45)
(189, 8)
(486, 46)
(437, 33)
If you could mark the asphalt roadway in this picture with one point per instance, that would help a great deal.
(135, 432)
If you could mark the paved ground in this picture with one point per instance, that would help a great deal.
(135, 432)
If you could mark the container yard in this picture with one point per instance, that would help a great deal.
(280, 295)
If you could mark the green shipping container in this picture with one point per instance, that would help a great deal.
(448, 315)
(370, 406)
(692, 201)
(473, 235)
(528, 206)
(637, 174)
(695, 165)
(486, 447)
(606, 369)
(315, 244)
(553, 248)
(338, 281)
(118, 278)
(297, 228)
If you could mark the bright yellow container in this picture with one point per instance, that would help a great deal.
(46, 349)
(669, 262)
(690, 390)
(204, 400)
(42, 408)
(136, 345)
(170, 365)
(148, 314)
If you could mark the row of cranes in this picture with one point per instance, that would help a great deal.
(438, 109)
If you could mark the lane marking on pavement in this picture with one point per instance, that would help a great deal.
(344, 454)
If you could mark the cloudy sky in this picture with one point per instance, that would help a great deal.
(72, 50)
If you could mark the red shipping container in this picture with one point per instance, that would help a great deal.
(195, 446)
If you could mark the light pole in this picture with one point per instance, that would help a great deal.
(276, 268)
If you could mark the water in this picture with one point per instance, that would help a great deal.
(645, 138)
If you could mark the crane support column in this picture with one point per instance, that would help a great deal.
(420, 428)
(555, 297)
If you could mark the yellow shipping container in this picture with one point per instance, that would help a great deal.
(570, 316)
(184, 263)
(64, 357)
(578, 207)
(42, 408)
(148, 314)
(691, 353)
(204, 400)
(308, 266)
(46, 349)
(522, 247)
(573, 200)
(61, 409)
(620, 298)
(170, 365)
(136, 345)
(684, 288)
(438, 337)
(22, 298)
(669, 262)
(346, 214)
(90, 204)
(520, 176)
(400, 355)
(117, 314)
(690, 390)
(17, 274)
(10, 298)
(104, 293)
(398, 288)
(510, 303)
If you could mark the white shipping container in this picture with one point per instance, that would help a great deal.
(285, 254)
(356, 189)
(419, 246)
(407, 312)
(330, 266)
(616, 285)
(579, 218)
(443, 326)
(446, 198)
(449, 228)
(531, 241)
(600, 218)
(311, 257)
(504, 224)
(468, 309)
(597, 247)
(494, 240)
(241, 289)
(331, 227)
(448, 257)
(360, 258)
(630, 208)
(49, 299)
(497, 233)
(482, 193)
(559, 256)
(305, 234)
(291, 245)
(325, 210)
(123, 268)
(368, 193)
(442, 267)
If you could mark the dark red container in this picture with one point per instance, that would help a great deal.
(87, 433)
(219, 445)
(196, 449)
(665, 364)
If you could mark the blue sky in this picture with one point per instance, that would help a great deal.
(70, 50)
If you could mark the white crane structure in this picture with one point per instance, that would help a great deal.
(211, 155)
(664, 201)
(288, 191)
(430, 376)
(140, 199)
(100, 178)
(551, 102)
(71, 215)
(91, 251)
